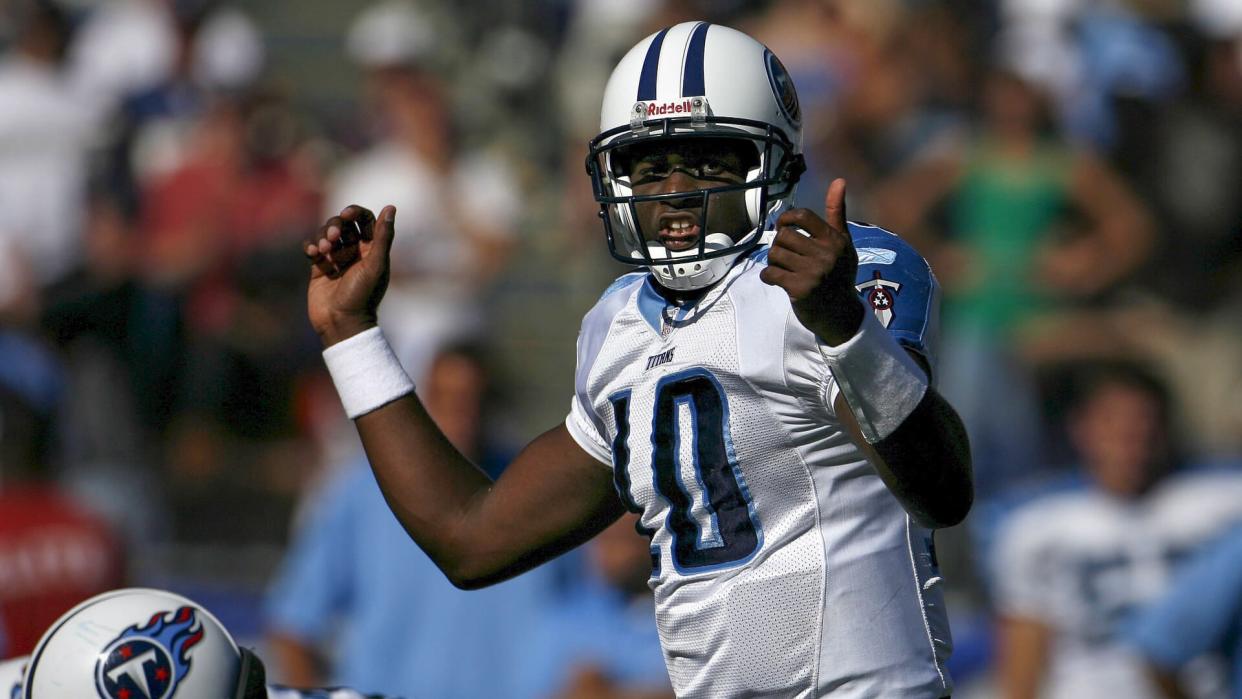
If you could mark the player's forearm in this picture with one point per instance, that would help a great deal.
(432, 489)
(926, 463)
(911, 434)
(552, 497)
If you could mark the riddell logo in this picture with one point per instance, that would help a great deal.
(682, 107)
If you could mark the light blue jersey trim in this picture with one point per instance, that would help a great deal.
(593, 334)
(651, 305)
(914, 291)
(620, 283)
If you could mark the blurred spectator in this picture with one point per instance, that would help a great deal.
(122, 346)
(1186, 160)
(130, 46)
(879, 83)
(170, 289)
(156, 63)
(1070, 566)
(1200, 615)
(240, 189)
(214, 234)
(459, 209)
(45, 135)
(1031, 220)
(53, 552)
(1031, 225)
(357, 603)
(602, 642)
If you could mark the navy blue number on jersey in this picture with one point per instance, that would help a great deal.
(734, 534)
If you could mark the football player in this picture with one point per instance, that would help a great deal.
(139, 643)
(783, 446)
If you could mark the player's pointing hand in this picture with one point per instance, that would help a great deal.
(349, 271)
(814, 261)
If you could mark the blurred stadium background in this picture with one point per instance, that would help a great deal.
(1072, 169)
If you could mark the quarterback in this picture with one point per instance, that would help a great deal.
(784, 447)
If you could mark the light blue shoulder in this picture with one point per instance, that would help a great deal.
(610, 303)
(898, 285)
(875, 245)
(894, 281)
(880, 246)
(622, 282)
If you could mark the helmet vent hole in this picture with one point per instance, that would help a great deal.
(698, 267)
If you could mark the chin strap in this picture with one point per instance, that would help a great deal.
(693, 273)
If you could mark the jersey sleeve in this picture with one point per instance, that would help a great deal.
(897, 284)
(583, 423)
(583, 430)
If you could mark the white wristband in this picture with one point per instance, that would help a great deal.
(881, 382)
(366, 372)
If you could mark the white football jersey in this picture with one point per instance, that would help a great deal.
(783, 566)
(1082, 561)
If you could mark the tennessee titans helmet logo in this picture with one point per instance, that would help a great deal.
(783, 87)
(148, 662)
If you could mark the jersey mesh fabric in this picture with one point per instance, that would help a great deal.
(723, 632)
(826, 599)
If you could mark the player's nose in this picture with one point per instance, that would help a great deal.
(681, 181)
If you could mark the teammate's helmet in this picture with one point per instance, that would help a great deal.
(11, 673)
(141, 644)
(696, 80)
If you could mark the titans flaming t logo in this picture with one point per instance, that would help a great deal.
(148, 662)
(880, 294)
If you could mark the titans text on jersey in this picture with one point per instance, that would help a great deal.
(783, 566)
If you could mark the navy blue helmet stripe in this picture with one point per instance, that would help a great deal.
(692, 76)
(651, 66)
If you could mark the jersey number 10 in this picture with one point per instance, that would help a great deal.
(735, 534)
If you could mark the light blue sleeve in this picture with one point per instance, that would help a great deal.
(1200, 610)
(897, 284)
(314, 583)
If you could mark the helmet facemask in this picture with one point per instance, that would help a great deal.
(771, 166)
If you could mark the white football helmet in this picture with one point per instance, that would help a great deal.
(12, 671)
(696, 80)
(141, 644)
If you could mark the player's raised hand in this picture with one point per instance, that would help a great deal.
(817, 268)
(349, 271)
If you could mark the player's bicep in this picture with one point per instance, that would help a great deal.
(552, 497)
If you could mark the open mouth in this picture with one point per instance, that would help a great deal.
(679, 232)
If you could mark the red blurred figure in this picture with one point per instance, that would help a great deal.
(54, 552)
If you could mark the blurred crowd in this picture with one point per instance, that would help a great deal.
(1070, 168)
